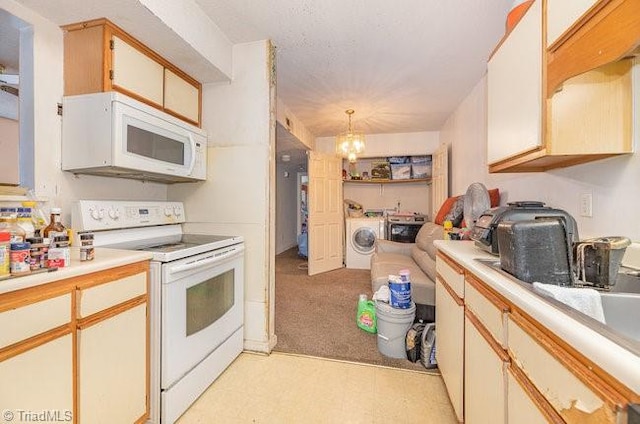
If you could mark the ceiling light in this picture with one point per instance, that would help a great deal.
(350, 144)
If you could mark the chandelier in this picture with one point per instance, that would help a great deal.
(350, 143)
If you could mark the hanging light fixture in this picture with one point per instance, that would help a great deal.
(350, 144)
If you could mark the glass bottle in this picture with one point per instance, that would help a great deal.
(55, 227)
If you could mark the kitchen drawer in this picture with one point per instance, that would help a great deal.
(488, 308)
(35, 318)
(569, 386)
(101, 297)
(451, 273)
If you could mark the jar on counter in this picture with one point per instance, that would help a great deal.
(37, 253)
(5, 247)
(87, 253)
(58, 255)
(19, 258)
(55, 227)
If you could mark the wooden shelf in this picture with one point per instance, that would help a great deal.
(374, 181)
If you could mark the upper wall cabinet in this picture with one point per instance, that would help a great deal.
(99, 56)
(560, 86)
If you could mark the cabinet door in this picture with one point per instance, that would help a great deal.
(112, 371)
(40, 379)
(514, 83)
(524, 403)
(450, 351)
(137, 73)
(181, 97)
(561, 14)
(484, 378)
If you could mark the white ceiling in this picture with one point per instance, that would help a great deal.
(402, 65)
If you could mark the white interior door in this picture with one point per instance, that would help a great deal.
(325, 213)
(440, 179)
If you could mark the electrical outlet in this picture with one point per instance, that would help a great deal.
(586, 205)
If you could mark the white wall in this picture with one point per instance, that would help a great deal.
(235, 199)
(9, 133)
(286, 206)
(62, 188)
(612, 182)
(413, 197)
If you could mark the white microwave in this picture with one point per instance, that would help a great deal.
(111, 134)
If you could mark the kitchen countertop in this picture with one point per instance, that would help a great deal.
(105, 258)
(621, 359)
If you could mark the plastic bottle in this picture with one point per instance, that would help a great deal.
(5, 246)
(25, 222)
(10, 224)
(55, 227)
(448, 226)
(366, 318)
(38, 217)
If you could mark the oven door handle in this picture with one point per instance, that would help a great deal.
(209, 260)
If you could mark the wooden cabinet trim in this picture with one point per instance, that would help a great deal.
(534, 394)
(35, 294)
(453, 264)
(588, 44)
(109, 275)
(35, 341)
(612, 392)
(93, 319)
(486, 335)
(497, 300)
(447, 287)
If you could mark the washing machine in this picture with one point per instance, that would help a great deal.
(361, 234)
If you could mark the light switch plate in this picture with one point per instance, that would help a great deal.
(586, 205)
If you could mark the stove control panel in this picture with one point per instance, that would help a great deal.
(97, 215)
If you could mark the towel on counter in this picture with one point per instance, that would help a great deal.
(584, 300)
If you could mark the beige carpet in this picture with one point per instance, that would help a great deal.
(316, 315)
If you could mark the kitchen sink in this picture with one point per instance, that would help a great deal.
(620, 303)
(622, 313)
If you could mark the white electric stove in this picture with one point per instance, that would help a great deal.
(196, 297)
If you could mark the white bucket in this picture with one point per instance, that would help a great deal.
(393, 324)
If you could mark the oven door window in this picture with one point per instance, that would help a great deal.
(208, 301)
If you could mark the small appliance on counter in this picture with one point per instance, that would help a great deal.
(484, 232)
(598, 260)
(536, 250)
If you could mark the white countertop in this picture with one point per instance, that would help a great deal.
(618, 360)
(104, 259)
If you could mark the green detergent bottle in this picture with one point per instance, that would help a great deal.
(366, 318)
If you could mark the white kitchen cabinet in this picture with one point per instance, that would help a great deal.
(99, 56)
(181, 97)
(135, 72)
(78, 346)
(561, 14)
(484, 377)
(113, 351)
(514, 80)
(36, 353)
(450, 323)
(112, 370)
(524, 403)
(39, 379)
(562, 97)
(571, 388)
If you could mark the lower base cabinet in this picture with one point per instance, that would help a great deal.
(450, 350)
(484, 377)
(77, 350)
(37, 380)
(112, 368)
